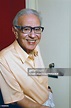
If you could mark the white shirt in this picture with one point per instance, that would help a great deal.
(50, 101)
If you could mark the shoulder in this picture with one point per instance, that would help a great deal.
(6, 51)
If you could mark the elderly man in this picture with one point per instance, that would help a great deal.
(17, 85)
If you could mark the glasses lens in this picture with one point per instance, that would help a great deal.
(38, 29)
(26, 30)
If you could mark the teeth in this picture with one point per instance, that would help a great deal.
(31, 40)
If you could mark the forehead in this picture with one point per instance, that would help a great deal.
(29, 19)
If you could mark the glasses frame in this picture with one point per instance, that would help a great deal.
(31, 28)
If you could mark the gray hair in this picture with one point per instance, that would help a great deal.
(23, 12)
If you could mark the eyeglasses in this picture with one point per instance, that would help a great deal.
(28, 29)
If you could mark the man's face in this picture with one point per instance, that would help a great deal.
(28, 41)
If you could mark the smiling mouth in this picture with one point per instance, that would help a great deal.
(31, 40)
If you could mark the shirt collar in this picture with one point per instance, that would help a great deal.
(22, 54)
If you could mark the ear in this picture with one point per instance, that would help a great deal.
(15, 32)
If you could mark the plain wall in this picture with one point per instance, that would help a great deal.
(8, 10)
(55, 38)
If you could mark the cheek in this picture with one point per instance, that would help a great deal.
(39, 37)
(21, 36)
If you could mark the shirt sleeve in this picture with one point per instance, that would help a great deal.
(10, 87)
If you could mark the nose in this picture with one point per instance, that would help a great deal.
(32, 33)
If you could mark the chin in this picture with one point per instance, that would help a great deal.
(32, 47)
